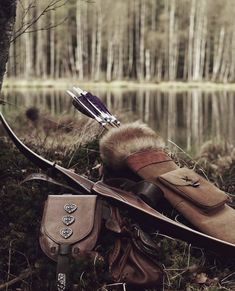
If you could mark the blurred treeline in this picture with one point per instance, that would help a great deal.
(152, 40)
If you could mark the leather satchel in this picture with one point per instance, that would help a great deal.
(133, 259)
(129, 264)
(70, 228)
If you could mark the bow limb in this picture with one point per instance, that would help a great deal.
(78, 182)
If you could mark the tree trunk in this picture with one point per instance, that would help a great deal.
(93, 45)
(232, 57)
(130, 39)
(191, 38)
(99, 43)
(52, 46)
(147, 65)
(137, 39)
(109, 58)
(142, 44)
(120, 49)
(172, 42)
(207, 59)
(7, 21)
(79, 62)
(218, 52)
(166, 41)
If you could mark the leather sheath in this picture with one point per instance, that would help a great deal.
(200, 202)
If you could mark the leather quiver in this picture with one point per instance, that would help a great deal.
(200, 202)
(73, 220)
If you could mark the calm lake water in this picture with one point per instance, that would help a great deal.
(187, 118)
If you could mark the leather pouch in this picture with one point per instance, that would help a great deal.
(70, 219)
(134, 257)
(200, 202)
(194, 188)
(129, 264)
(70, 228)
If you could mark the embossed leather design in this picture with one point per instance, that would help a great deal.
(85, 228)
(84, 217)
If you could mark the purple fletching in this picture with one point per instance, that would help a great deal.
(97, 102)
(80, 108)
(84, 101)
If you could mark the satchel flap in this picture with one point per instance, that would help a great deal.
(195, 188)
(69, 218)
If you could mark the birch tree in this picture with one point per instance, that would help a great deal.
(79, 36)
(150, 40)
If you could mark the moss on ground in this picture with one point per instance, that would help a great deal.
(186, 267)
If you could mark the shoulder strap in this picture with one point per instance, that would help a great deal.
(46, 178)
(63, 265)
(147, 191)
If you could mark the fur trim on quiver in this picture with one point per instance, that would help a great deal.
(118, 143)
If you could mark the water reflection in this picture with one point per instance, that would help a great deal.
(188, 118)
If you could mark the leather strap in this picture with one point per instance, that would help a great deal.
(63, 263)
(46, 178)
(147, 191)
(140, 160)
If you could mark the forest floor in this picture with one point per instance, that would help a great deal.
(186, 267)
(125, 84)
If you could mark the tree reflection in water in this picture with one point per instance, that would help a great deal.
(188, 118)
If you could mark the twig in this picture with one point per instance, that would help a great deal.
(117, 284)
(189, 255)
(48, 27)
(225, 278)
(25, 274)
(9, 261)
(25, 27)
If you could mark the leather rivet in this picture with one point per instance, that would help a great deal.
(76, 250)
(66, 232)
(53, 250)
(70, 207)
(68, 219)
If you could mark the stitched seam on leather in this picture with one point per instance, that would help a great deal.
(158, 156)
(161, 162)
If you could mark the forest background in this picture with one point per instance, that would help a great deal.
(151, 40)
